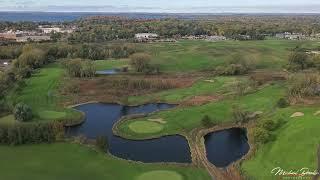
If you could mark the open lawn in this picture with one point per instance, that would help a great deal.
(188, 56)
(295, 146)
(183, 119)
(72, 161)
(204, 86)
(40, 92)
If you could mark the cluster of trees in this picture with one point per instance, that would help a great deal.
(263, 132)
(237, 65)
(141, 63)
(80, 68)
(304, 85)
(299, 60)
(29, 133)
(22, 112)
(103, 28)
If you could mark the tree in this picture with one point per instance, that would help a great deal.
(32, 57)
(22, 112)
(298, 60)
(140, 61)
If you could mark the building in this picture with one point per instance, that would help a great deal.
(146, 36)
(216, 38)
(33, 38)
(48, 30)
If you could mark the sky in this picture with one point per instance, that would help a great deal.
(165, 6)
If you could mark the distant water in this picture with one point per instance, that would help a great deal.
(41, 16)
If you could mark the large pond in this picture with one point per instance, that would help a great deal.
(226, 146)
(100, 119)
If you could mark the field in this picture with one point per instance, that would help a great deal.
(71, 161)
(199, 93)
(191, 56)
(40, 92)
(295, 146)
(183, 119)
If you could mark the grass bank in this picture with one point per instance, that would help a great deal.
(38, 162)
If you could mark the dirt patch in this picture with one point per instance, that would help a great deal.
(297, 114)
(159, 120)
(200, 100)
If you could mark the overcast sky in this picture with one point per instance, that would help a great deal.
(183, 6)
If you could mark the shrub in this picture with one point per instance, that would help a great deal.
(304, 85)
(261, 136)
(80, 68)
(140, 61)
(102, 143)
(22, 112)
(283, 103)
(207, 122)
(268, 125)
(240, 115)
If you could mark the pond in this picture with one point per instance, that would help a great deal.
(226, 146)
(108, 72)
(100, 119)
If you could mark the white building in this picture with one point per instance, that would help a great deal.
(146, 36)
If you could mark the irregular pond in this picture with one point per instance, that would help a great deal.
(226, 146)
(108, 72)
(100, 119)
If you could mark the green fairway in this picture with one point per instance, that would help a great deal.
(110, 64)
(295, 146)
(72, 161)
(186, 56)
(41, 94)
(204, 86)
(186, 118)
(160, 175)
(145, 127)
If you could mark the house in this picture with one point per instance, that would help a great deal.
(216, 38)
(49, 29)
(33, 38)
(146, 36)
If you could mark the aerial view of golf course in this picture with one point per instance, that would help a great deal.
(159, 98)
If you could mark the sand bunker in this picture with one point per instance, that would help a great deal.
(158, 120)
(317, 113)
(209, 80)
(297, 114)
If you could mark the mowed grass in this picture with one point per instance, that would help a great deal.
(72, 161)
(205, 86)
(110, 64)
(160, 175)
(188, 56)
(40, 92)
(295, 146)
(145, 127)
(183, 119)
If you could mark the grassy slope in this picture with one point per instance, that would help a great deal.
(186, 118)
(71, 161)
(294, 148)
(110, 64)
(186, 56)
(201, 87)
(40, 92)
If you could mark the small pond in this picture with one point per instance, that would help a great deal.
(226, 146)
(108, 72)
(100, 119)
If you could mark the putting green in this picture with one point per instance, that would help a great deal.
(145, 127)
(160, 175)
(51, 114)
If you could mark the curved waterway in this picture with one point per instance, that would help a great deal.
(108, 72)
(100, 119)
(226, 146)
